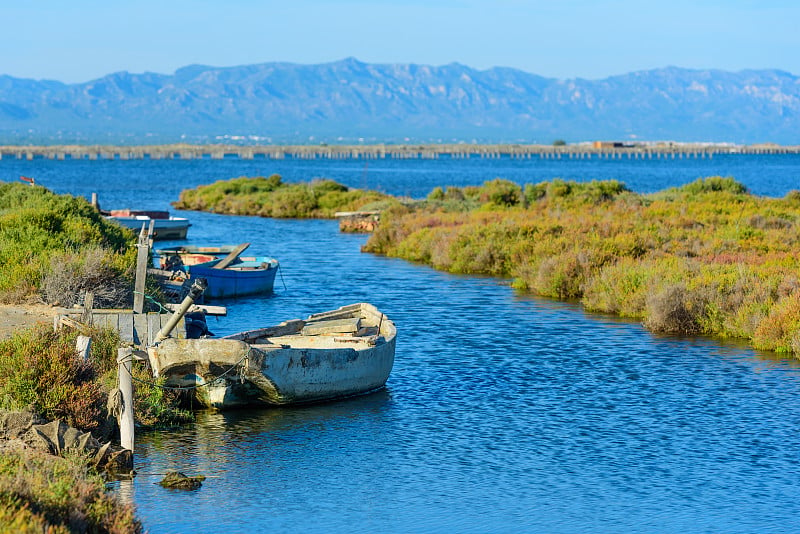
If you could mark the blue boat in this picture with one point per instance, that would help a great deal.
(243, 276)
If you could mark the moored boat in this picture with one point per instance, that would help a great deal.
(341, 353)
(245, 276)
(165, 227)
(172, 257)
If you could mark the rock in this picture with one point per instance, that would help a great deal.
(177, 480)
(14, 425)
(118, 463)
(27, 430)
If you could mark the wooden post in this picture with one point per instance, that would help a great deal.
(83, 345)
(141, 271)
(124, 361)
(88, 307)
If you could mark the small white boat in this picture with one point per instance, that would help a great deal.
(165, 227)
(341, 353)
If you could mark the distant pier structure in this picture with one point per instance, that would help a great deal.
(598, 149)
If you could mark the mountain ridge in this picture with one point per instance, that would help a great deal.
(349, 100)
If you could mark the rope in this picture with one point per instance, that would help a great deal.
(114, 403)
(187, 388)
(154, 301)
(280, 272)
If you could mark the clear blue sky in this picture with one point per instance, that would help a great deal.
(79, 40)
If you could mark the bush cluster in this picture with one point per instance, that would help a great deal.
(271, 197)
(44, 493)
(47, 235)
(40, 371)
(704, 258)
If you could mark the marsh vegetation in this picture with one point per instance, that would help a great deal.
(271, 197)
(54, 248)
(705, 258)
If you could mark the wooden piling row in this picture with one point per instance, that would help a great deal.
(383, 151)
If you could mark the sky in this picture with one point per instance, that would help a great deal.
(81, 40)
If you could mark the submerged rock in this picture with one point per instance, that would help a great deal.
(177, 480)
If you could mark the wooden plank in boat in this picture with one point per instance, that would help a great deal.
(341, 313)
(338, 326)
(231, 257)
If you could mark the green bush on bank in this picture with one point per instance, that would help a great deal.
(271, 197)
(44, 234)
(44, 493)
(704, 258)
(41, 372)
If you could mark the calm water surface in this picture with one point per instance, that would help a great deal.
(503, 413)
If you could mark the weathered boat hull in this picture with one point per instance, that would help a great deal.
(250, 276)
(284, 366)
(163, 229)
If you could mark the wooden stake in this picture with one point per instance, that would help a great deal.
(124, 357)
(83, 345)
(141, 271)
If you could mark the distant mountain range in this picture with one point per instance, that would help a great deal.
(348, 101)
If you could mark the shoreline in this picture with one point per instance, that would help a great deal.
(15, 317)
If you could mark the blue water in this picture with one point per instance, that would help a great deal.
(504, 413)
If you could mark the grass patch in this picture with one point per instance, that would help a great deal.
(271, 197)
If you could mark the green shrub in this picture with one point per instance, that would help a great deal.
(44, 493)
(436, 194)
(780, 329)
(500, 192)
(41, 371)
(270, 197)
(38, 227)
(322, 185)
(705, 258)
(714, 184)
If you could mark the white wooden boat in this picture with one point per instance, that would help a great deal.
(165, 227)
(341, 353)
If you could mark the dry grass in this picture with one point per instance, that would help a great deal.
(72, 274)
